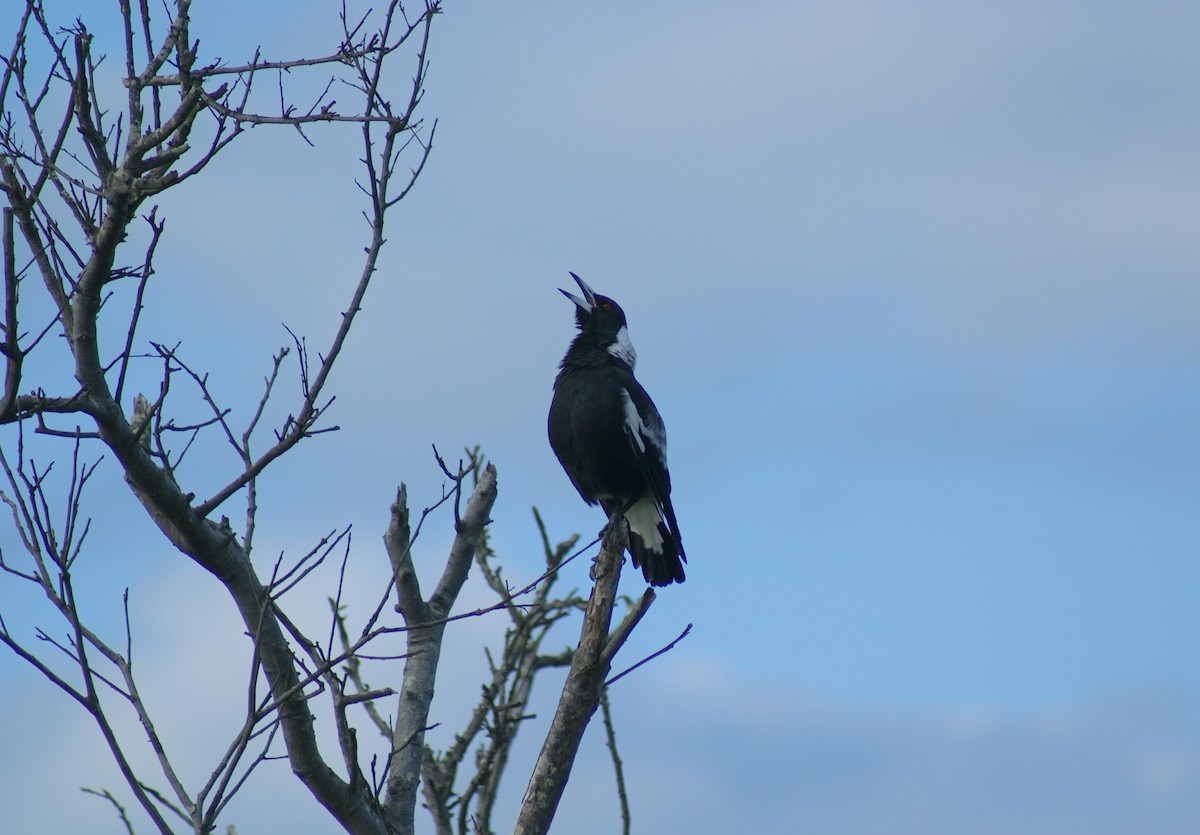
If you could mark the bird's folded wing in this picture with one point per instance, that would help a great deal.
(648, 439)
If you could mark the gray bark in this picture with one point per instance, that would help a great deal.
(590, 664)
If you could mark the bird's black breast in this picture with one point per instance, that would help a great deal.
(587, 432)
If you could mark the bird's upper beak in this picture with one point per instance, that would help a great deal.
(588, 303)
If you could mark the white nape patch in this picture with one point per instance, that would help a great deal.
(622, 348)
(640, 431)
(643, 519)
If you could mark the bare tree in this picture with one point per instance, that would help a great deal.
(80, 178)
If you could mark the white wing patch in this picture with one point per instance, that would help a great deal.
(622, 348)
(641, 432)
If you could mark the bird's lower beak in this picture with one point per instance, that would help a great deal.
(588, 302)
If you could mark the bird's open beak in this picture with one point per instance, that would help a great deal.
(588, 303)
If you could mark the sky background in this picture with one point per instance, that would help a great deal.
(916, 288)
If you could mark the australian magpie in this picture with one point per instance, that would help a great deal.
(611, 440)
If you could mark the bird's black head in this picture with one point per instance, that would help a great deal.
(596, 315)
(601, 324)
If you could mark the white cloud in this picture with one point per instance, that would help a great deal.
(778, 757)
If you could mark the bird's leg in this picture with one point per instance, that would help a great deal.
(620, 514)
(608, 509)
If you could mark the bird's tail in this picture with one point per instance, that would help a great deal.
(654, 547)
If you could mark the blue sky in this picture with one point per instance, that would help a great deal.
(915, 289)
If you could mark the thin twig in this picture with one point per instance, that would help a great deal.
(610, 736)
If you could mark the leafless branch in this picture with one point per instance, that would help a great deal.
(120, 810)
(581, 692)
(610, 736)
(686, 631)
(424, 644)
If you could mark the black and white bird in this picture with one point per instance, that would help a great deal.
(611, 440)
